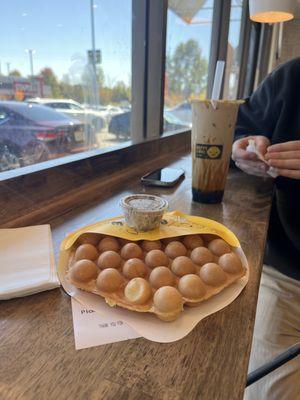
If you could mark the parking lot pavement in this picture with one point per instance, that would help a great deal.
(107, 139)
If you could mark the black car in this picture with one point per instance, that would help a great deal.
(120, 124)
(183, 112)
(31, 133)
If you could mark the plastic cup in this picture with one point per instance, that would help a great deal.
(212, 137)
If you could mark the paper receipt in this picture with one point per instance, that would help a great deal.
(91, 329)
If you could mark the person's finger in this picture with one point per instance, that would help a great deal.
(287, 146)
(288, 155)
(239, 150)
(289, 173)
(285, 164)
(241, 143)
(262, 144)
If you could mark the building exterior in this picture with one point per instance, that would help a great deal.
(18, 88)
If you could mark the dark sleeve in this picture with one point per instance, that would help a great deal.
(257, 115)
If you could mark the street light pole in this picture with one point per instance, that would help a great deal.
(95, 82)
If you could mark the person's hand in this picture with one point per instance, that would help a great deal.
(248, 161)
(285, 157)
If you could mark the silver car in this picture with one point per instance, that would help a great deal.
(74, 110)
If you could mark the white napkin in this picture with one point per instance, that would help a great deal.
(252, 147)
(27, 263)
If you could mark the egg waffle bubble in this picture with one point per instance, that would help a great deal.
(161, 278)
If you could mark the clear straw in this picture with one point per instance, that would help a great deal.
(218, 78)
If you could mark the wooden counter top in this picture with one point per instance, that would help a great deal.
(38, 358)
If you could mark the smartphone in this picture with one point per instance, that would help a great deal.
(167, 177)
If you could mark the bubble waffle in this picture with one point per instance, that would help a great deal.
(145, 278)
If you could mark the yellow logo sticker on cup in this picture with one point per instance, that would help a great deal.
(209, 151)
(214, 152)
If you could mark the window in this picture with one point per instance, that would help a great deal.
(187, 53)
(58, 105)
(49, 55)
(75, 107)
(80, 69)
(233, 51)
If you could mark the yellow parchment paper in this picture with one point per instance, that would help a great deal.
(173, 223)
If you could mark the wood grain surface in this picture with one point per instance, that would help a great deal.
(29, 199)
(38, 358)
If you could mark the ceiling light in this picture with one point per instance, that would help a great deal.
(271, 11)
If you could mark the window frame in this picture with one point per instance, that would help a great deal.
(245, 45)
(263, 53)
(219, 40)
(248, 85)
(140, 11)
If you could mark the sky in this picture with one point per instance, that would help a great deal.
(59, 31)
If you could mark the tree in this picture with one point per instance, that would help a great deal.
(15, 73)
(88, 83)
(87, 76)
(186, 69)
(74, 92)
(120, 92)
(50, 79)
(105, 95)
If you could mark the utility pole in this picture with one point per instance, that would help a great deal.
(30, 53)
(95, 81)
(8, 68)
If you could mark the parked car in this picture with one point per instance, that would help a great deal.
(126, 108)
(31, 133)
(120, 124)
(108, 111)
(74, 110)
(183, 112)
(172, 123)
